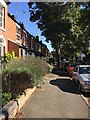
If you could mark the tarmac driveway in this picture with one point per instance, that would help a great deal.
(57, 98)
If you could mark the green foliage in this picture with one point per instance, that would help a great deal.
(51, 60)
(8, 56)
(6, 97)
(66, 25)
(22, 73)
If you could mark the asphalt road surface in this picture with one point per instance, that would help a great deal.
(57, 98)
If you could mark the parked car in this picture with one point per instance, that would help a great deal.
(82, 77)
(59, 71)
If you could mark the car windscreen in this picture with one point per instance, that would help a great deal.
(84, 70)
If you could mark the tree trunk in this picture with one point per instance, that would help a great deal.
(58, 60)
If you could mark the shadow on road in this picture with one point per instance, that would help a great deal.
(86, 94)
(65, 85)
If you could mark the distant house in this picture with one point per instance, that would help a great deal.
(44, 50)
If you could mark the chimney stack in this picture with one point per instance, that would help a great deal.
(21, 24)
(37, 38)
(12, 16)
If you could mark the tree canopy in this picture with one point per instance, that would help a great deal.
(66, 25)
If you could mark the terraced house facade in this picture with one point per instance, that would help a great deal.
(14, 37)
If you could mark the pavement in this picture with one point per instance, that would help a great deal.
(58, 97)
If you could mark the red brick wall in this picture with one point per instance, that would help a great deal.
(31, 41)
(10, 29)
(34, 44)
(28, 40)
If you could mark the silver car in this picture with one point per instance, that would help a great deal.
(82, 77)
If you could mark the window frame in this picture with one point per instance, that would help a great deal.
(17, 33)
(24, 37)
(2, 16)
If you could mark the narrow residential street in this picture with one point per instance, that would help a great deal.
(57, 98)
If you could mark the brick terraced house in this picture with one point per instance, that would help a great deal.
(14, 37)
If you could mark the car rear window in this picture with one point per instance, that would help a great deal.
(84, 70)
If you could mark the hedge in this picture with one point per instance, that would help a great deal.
(22, 73)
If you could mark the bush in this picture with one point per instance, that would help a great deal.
(8, 56)
(22, 73)
(6, 97)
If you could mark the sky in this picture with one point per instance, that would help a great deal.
(21, 11)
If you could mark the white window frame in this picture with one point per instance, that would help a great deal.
(2, 44)
(2, 50)
(2, 2)
(2, 39)
(2, 5)
(17, 35)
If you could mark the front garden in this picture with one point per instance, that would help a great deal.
(19, 74)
